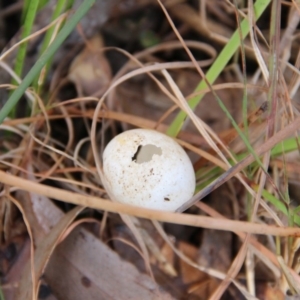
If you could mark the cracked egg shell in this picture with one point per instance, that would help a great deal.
(148, 169)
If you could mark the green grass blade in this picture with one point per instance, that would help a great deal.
(28, 17)
(62, 35)
(286, 146)
(61, 6)
(297, 210)
(42, 4)
(281, 206)
(219, 64)
(57, 11)
(27, 27)
(24, 10)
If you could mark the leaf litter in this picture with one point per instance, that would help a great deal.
(85, 247)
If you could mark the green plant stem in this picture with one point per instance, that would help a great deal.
(26, 4)
(62, 5)
(40, 63)
(42, 4)
(28, 16)
(282, 207)
(28, 23)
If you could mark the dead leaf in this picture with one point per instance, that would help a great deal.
(88, 269)
(43, 252)
(90, 70)
(75, 261)
(215, 250)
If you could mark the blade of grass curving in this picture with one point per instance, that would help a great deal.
(241, 134)
(61, 6)
(40, 63)
(219, 64)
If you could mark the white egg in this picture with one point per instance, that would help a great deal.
(148, 169)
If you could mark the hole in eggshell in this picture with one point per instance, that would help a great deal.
(144, 153)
